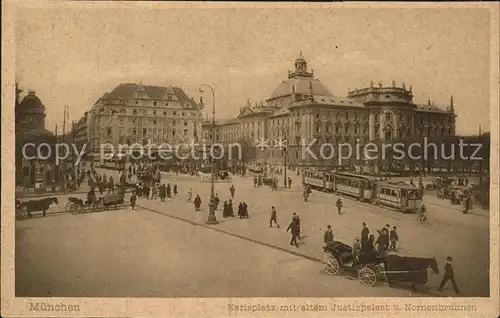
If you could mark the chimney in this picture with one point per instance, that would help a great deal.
(452, 109)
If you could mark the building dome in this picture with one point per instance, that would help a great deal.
(31, 104)
(300, 85)
(301, 81)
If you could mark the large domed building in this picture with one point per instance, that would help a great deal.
(33, 168)
(302, 110)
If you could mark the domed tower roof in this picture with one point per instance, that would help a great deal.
(31, 104)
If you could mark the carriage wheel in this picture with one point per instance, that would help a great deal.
(367, 276)
(73, 208)
(68, 205)
(332, 264)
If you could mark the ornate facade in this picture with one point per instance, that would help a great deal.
(33, 168)
(301, 110)
(136, 113)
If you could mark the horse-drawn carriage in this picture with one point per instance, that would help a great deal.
(388, 267)
(76, 205)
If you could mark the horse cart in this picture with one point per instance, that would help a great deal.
(76, 205)
(387, 267)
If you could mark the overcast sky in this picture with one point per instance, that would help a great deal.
(72, 56)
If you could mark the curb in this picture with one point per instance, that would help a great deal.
(298, 254)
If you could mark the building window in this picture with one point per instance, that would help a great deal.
(175, 113)
(346, 129)
(144, 131)
(337, 129)
(154, 112)
(134, 131)
(388, 135)
(356, 130)
(317, 128)
(134, 112)
(154, 103)
(185, 123)
(109, 132)
(387, 116)
(121, 131)
(185, 132)
(173, 132)
(154, 121)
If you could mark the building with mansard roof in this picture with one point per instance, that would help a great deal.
(301, 109)
(144, 114)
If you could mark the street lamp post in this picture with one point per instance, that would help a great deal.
(211, 205)
(284, 179)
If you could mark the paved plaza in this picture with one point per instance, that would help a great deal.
(166, 250)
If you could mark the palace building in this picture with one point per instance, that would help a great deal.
(143, 114)
(301, 109)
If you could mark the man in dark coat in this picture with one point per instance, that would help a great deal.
(225, 210)
(328, 237)
(175, 189)
(294, 228)
(245, 210)
(393, 237)
(133, 199)
(240, 210)
(163, 193)
(197, 203)
(448, 275)
(273, 218)
(230, 208)
(232, 190)
(364, 233)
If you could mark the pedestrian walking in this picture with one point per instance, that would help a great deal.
(175, 189)
(364, 233)
(294, 229)
(273, 218)
(448, 275)
(133, 199)
(169, 191)
(289, 182)
(197, 203)
(393, 237)
(162, 192)
(296, 217)
(190, 195)
(339, 206)
(328, 236)
(232, 190)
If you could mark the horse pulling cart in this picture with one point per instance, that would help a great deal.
(76, 205)
(387, 267)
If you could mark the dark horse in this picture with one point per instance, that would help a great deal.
(39, 205)
(409, 269)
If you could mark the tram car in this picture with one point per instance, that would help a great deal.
(319, 180)
(353, 185)
(400, 195)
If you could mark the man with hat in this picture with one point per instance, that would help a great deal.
(448, 275)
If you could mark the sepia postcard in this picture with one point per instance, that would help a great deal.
(212, 159)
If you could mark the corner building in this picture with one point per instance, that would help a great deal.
(301, 110)
(135, 113)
